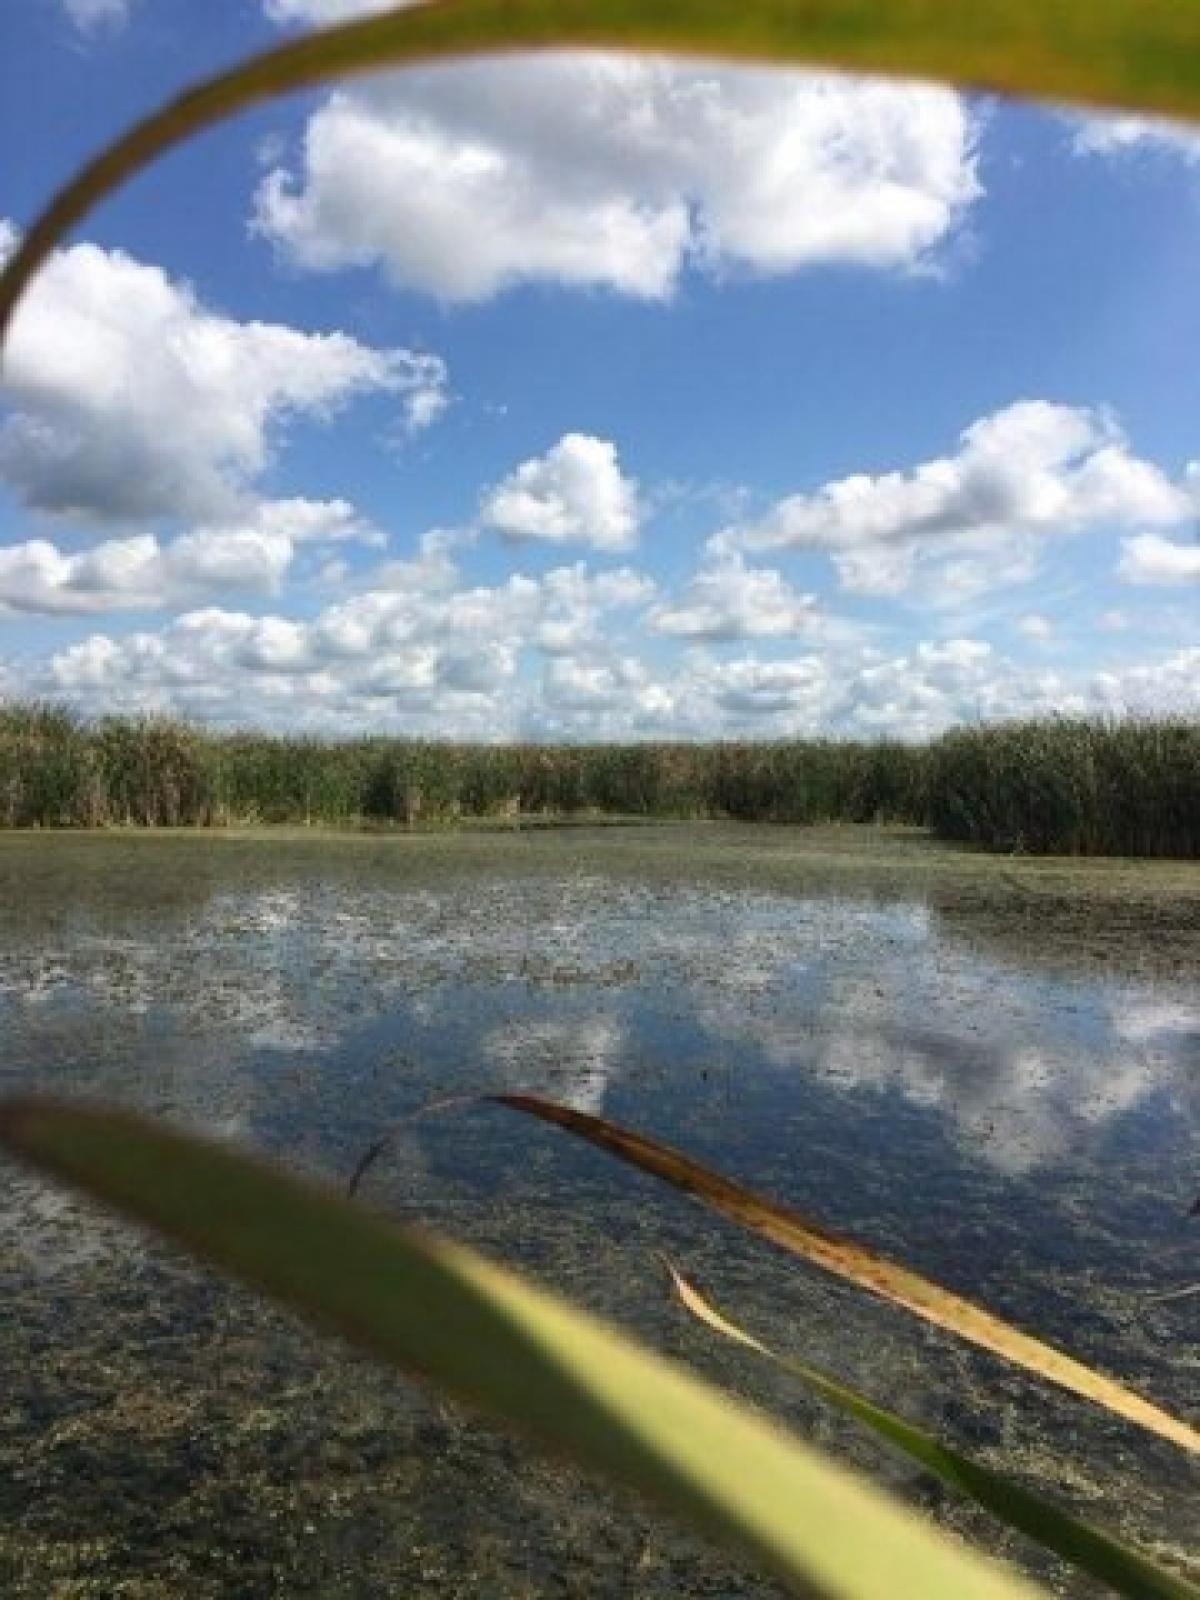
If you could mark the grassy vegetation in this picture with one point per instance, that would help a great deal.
(1062, 786)
(1079, 786)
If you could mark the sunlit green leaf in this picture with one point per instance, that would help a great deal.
(442, 1313)
(1123, 1568)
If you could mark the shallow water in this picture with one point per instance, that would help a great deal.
(889, 1038)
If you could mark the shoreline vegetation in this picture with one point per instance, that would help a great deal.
(1062, 786)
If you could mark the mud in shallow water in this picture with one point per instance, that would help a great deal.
(989, 1068)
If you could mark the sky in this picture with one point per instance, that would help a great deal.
(592, 396)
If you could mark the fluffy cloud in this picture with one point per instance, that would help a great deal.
(460, 662)
(564, 604)
(324, 13)
(729, 600)
(593, 170)
(855, 692)
(1130, 135)
(1031, 469)
(574, 608)
(422, 381)
(916, 693)
(575, 494)
(128, 399)
(1149, 558)
(441, 656)
(799, 690)
(1170, 683)
(253, 554)
(87, 15)
(620, 687)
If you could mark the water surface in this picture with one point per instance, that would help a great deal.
(990, 1070)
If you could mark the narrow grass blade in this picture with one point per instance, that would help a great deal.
(442, 1313)
(1143, 54)
(1123, 1568)
(859, 1264)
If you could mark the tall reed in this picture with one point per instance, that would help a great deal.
(1070, 786)
(1073, 786)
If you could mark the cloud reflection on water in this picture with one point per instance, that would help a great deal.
(565, 985)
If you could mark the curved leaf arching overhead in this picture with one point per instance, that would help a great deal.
(1139, 54)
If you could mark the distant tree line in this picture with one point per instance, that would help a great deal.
(1077, 786)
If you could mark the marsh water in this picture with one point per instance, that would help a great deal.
(990, 1069)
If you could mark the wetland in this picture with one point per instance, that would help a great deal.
(988, 1066)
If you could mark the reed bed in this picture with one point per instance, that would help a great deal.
(1061, 786)
(1070, 786)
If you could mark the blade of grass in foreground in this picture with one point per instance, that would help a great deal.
(442, 1313)
(858, 1264)
(1125, 1569)
(1142, 54)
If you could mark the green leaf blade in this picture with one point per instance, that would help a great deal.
(1125, 1569)
(442, 1313)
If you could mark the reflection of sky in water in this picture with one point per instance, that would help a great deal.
(566, 985)
(1020, 1066)
(861, 1058)
(572, 1059)
(864, 999)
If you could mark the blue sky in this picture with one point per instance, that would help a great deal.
(593, 397)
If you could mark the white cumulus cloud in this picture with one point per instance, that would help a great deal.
(574, 494)
(1029, 470)
(88, 15)
(324, 13)
(433, 655)
(128, 399)
(609, 171)
(799, 689)
(457, 663)
(1150, 558)
(253, 554)
(729, 600)
(1134, 135)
